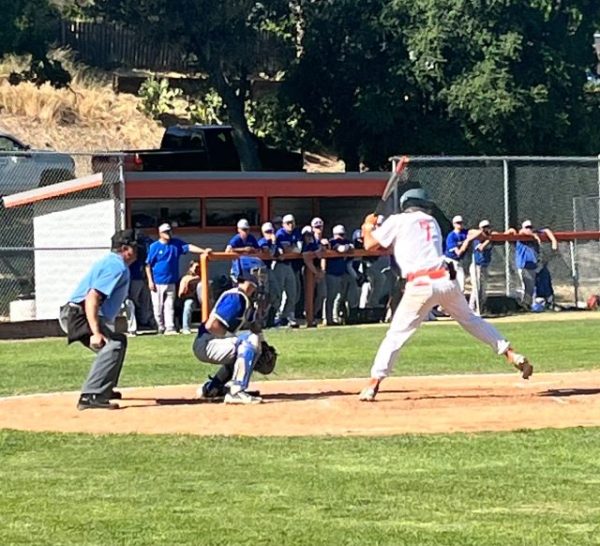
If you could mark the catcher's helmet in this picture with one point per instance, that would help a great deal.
(249, 268)
(414, 197)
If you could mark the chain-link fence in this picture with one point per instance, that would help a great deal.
(559, 193)
(55, 220)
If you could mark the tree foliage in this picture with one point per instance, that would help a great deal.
(28, 27)
(231, 40)
(446, 76)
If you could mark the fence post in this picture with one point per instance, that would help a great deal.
(122, 208)
(506, 225)
(204, 280)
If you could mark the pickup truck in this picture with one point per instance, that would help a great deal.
(22, 168)
(197, 148)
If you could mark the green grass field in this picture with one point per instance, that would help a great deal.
(506, 488)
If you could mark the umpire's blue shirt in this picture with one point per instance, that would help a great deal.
(109, 277)
(163, 258)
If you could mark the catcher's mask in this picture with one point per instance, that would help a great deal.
(251, 269)
(415, 197)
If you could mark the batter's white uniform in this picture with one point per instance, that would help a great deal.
(416, 240)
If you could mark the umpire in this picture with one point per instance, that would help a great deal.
(88, 317)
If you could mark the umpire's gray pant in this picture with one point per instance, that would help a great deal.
(106, 368)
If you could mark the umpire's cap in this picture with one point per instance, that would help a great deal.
(123, 237)
(416, 196)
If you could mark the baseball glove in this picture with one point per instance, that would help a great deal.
(267, 359)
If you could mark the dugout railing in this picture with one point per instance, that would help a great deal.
(568, 253)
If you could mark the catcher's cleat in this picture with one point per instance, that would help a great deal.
(520, 362)
(212, 390)
(369, 393)
(242, 397)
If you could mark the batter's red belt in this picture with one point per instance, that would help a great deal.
(439, 273)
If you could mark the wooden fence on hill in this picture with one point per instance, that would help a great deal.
(109, 45)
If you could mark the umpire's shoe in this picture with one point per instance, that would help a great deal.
(95, 401)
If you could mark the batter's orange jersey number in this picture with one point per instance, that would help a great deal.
(427, 227)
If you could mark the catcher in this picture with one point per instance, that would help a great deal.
(232, 336)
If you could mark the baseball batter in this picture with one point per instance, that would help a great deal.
(416, 240)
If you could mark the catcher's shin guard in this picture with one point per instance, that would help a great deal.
(247, 353)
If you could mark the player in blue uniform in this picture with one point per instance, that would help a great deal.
(454, 254)
(231, 337)
(527, 258)
(289, 239)
(269, 247)
(243, 241)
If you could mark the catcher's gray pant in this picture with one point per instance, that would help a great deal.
(106, 369)
(527, 277)
(289, 283)
(240, 352)
(163, 303)
(479, 277)
(420, 296)
(138, 305)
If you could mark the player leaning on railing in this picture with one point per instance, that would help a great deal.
(416, 241)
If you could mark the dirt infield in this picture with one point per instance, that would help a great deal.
(435, 404)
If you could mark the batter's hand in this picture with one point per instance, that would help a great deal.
(369, 224)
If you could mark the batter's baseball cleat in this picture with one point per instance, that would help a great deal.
(369, 393)
(242, 397)
(520, 362)
(95, 401)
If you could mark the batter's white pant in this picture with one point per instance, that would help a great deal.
(420, 296)
(163, 303)
(479, 276)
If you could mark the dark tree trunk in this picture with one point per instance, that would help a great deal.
(234, 99)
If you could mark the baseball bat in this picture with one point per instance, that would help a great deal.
(392, 184)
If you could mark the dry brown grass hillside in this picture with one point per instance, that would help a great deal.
(87, 117)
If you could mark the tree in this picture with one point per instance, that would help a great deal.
(382, 77)
(232, 40)
(511, 73)
(28, 27)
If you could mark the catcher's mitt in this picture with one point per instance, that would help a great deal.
(267, 359)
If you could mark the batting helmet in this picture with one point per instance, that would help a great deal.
(414, 197)
(249, 268)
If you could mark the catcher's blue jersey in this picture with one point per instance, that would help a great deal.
(234, 310)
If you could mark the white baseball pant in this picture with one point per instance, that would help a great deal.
(420, 296)
(163, 303)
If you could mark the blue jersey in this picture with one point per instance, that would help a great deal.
(454, 242)
(483, 257)
(336, 266)
(233, 310)
(288, 240)
(163, 258)
(110, 277)
(271, 246)
(136, 269)
(527, 253)
(237, 242)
